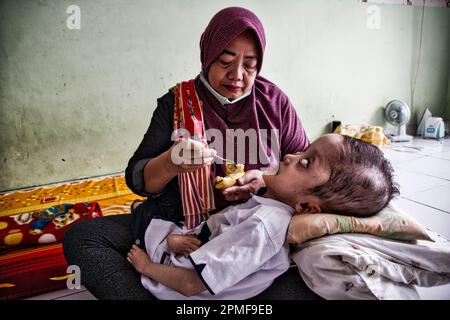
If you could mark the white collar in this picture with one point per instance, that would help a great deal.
(273, 203)
(223, 100)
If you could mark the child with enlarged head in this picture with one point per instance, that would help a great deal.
(244, 247)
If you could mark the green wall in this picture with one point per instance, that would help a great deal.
(447, 111)
(76, 103)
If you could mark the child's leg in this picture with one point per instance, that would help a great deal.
(182, 280)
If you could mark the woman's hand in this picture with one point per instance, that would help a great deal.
(183, 244)
(248, 185)
(185, 155)
(189, 155)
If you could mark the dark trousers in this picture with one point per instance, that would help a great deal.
(100, 246)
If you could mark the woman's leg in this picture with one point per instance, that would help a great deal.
(99, 247)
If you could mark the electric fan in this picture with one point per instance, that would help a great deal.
(397, 113)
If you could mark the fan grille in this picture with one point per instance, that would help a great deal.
(397, 113)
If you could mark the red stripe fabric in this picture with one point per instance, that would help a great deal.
(29, 271)
(196, 188)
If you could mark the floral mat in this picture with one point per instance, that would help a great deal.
(27, 270)
(111, 193)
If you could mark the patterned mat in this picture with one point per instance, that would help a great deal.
(27, 270)
(111, 193)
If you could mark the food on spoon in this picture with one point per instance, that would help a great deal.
(233, 172)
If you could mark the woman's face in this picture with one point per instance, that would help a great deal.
(234, 71)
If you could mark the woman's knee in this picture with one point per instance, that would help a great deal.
(99, 234)
(73, 239)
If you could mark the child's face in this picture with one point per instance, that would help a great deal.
(305, 170)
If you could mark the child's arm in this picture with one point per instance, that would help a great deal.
(185, 281)
(183, 244)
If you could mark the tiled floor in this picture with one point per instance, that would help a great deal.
(424, 178)
(65, 294)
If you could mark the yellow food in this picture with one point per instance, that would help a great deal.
(365, 132)
(233, 172)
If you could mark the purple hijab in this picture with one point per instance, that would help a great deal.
(224, 27)
(267, 107)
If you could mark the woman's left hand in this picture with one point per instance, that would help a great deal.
(246, 186)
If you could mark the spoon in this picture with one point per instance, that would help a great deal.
(224, 160)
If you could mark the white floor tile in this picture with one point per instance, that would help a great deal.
(426, 146)
(430, 166)
(441, 155)
(55, 294)
(84, 295)
(402, 148)
(438, 197)
(395, 156)
(433, 219)
(64, 294)
(411, 182)
(430, 143)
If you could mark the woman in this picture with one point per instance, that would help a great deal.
(173, 163)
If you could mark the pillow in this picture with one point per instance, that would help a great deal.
(44, 226)
(390, 222)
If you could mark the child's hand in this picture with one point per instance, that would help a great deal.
(183, 244)
(247, 185)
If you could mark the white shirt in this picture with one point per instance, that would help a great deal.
(248, 251)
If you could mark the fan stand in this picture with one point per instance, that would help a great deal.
(401, 135)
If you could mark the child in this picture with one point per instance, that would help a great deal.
(245, 247)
